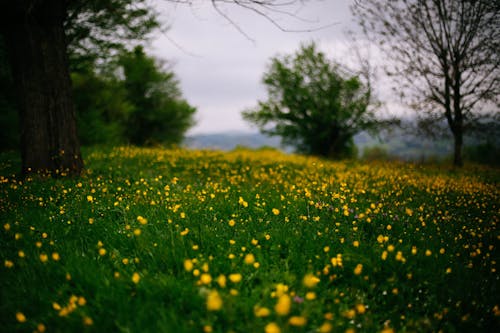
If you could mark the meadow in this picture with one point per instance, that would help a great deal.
(154, 240)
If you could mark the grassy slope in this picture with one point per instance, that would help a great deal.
(395, 246)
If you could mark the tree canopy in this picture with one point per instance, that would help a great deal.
(314, 104)
(43, 38)
(98, 29)
(159, 113)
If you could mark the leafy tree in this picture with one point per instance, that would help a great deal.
(102, 107)
(38, 35)
(444, 56)
(100, 29)
(313, 104)
(160, 115)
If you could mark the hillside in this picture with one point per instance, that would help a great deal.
(151, 240)
(397, 144)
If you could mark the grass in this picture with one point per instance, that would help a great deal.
(152, 240)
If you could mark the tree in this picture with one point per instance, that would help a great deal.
(159, 113)
(9, 134)
(444, 54)
(313, 104)
(102, 106)
(38, 35)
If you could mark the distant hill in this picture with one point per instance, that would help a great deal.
(396, 144)
(231, 140)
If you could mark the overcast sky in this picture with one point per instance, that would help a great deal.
(220, 69)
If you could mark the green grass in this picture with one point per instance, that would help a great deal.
(394, 247)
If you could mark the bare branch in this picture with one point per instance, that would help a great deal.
(264, 9)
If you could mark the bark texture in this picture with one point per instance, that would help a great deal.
(34, 34)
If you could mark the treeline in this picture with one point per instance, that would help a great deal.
(131, 98)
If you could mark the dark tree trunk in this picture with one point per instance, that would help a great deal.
(34, 34)
(457, 156)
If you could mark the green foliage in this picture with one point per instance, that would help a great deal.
(160, 115)
(98, 29)
(485, 153)
(132, 100)
(102, 108)
(313, 104)
(144, 107)
(139, 241)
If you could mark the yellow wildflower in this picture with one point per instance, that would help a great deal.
(82, 301)
(242, 202)
(360, 308)
(310, 280)
(297, 321)
(41, 328)
(261, 311)
(249, 259)
(87, 321)
(221, 280)
(214, 301)
(350, 314)
(358, 269)
(235, 277)
(44, 257)
(272, 328)
(311, 295)
(283, 305)
(136, 277)
(325, 328)
(20, 317)
(188, 265)
(281, 289)
(142, 220)
(205, 278)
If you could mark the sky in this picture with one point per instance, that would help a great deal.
(220, 68)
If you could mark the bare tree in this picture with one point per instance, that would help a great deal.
(444, 55)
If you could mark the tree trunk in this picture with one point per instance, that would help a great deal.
(35, 39)
(457, 154)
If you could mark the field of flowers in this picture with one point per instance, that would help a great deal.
(153, 240)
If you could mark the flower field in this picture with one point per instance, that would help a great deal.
(153, 240)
